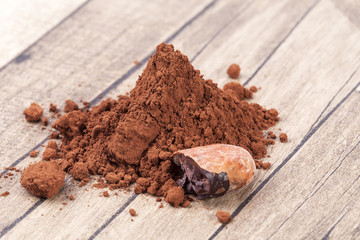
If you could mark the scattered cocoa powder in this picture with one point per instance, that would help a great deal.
(49, 154)
(53, 145)
(237, 91)
(5, 194)
(186, 204)
(161, 205)
(43, 179)
(53, 108)
(223, 217)
(33, 113)
(233, 71)
(283, 137)
(175, 196)
(54, 135)
(172, 107)
(33, 153)
(253, 89)
(132, 212)
(44, 121)
(106, 194)
(71, 197)
(70, 106)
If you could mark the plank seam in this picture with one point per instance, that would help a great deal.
(121, 209)
(286, 160)
(313, 193)
(19, 219)
(282, 41)
(15, 59)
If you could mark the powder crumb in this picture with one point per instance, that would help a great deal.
(253, 89)
(175, 196)
(33, 153)
(53, 145)
(161, 205)
(233, 71)
(44, 121)
(265, 165)
(5, 194)
(70, 106)
(60, 209)
(237, 91)
(186, 204)
(71, 197)
(132, 212)
(33, 113)
(43, 179)
(106, 194)
(132, 220)
(136, 62)
(79, 171)
(49, 154)
(283, 137)
(159, 199)
(54, 135)
(64, 203)
(53, 108)
(223, 217)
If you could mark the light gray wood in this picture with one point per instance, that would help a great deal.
(351, 9)
(315, 66)
(318, 187)
(23, 22)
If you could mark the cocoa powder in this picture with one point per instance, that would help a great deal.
(133, 138)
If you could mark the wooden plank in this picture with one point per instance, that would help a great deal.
(302, 85)
(351, 9)
(184, 213)
(58, 65)
(23, 22)
(319, 186)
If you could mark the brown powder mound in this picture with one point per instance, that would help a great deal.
(175, 196)
(223, 217)
(53, 108)
(172, 107)
(33, 113)
(44, 121)
(43, 179)
(233, 71)
(70, 106)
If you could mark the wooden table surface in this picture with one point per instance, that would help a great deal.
(305, 56)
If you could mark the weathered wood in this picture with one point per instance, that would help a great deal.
(311, 56)
(351, 9)
(319, 186)
(23, 22)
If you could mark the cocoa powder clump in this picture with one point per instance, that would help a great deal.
(33, 113)
(223, 217)
(283, 137)
(234, 71)
(70, 106)
(175, 196)
(132, 139)
(43, 179)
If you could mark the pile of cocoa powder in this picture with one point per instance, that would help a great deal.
(172, 107)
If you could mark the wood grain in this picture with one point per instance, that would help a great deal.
(23, 22)
(303, 54)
